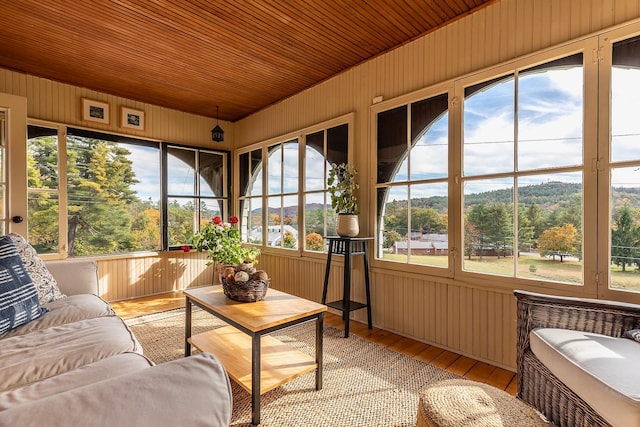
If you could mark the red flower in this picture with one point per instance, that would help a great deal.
(185, 248)
(217, 220)
(233, 220)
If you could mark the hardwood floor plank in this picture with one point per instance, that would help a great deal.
(455, 363)
(445, 359)
(462, 365)
(500, 378)
(480, 372)
(408, 346)
(384, 338)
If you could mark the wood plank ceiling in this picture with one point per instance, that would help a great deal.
(190, 55)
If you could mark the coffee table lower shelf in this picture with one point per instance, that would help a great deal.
(279, 363)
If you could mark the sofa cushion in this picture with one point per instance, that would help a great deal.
(18, 298)
(44, 282)
(191, 391)
(59, 349)
(602, 370)
(66, 310)
(101, 370)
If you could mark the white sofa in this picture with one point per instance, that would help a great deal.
(78, 364)
(575, 364)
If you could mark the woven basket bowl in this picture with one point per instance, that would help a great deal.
(249, 291)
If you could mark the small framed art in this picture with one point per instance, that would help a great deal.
(95, 111)
(131, 119)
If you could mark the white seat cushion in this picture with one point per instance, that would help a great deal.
(602, 370)
(59, 349)
(120, 364)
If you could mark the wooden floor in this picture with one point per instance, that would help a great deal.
(460, 365)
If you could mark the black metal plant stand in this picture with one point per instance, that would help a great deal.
(348, 246)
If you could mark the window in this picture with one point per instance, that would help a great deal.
(294, 178)
(194, 198)
(43, 189)
(113, 194)
(522, 173)
(412, 190)
(514, 147)
(93, 193)
(322, 149)
(624, 166)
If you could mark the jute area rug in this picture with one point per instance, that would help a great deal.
(364, 384)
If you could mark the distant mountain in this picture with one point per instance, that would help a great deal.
(546, 195)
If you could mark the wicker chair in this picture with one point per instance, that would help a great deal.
(536, 384)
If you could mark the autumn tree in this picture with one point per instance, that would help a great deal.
(558, 241)
(289, 241)
(314, 242)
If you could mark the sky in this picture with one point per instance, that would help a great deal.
(550, 122)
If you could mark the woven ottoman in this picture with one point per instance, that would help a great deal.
(456, 403)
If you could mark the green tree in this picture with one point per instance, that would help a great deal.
(42, 174)
(534, 216)
(525, 229)
(100, 177)
(625, 238)
(390, 238)
(180, 222)
(493, 225)
(427, 220)
(476, 224)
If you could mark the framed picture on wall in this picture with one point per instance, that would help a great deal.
(131, 119)
(95, 111)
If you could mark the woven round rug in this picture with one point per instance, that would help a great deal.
(364, 384)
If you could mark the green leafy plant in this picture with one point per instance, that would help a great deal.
(342, 186)
(221, 241)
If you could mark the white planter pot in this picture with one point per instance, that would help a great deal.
(347, 225)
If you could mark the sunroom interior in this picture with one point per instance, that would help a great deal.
(496, 150)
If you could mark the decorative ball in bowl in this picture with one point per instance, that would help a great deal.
(245, 284)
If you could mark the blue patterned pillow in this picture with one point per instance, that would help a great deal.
(45, 284)
(633, 334)
(18, 297)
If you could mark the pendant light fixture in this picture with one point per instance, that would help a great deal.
(217, 134)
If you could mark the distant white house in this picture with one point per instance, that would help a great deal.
(275, 233)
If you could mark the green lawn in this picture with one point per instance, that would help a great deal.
(545, 269)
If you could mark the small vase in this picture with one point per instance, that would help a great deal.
(347, 225)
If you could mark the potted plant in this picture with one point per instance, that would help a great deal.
(221, 240)
(342, 186)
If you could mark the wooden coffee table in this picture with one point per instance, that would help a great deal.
(257, 362)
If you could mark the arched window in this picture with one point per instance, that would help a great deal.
(412, 176)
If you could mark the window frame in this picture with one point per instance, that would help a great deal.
(422, 94)
(162, 147)
(300, 136)
(603, 163)
(455, 87)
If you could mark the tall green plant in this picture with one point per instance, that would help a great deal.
(342, 186)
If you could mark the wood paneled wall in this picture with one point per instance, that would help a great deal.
(474, 319)
(61, 103)
(470, 318)
(130, 277)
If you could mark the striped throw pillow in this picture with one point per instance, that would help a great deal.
(18, 297)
